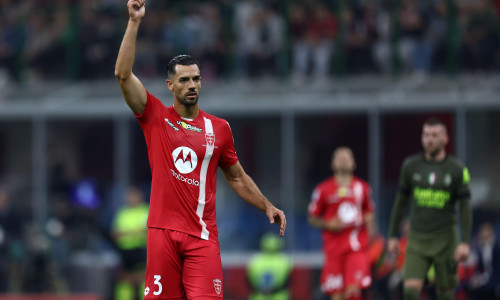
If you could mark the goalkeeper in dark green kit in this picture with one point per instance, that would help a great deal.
(434, 183)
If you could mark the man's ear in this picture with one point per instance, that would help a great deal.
(170, 85)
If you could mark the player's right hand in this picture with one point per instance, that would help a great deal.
(136, 9)
(392, 246)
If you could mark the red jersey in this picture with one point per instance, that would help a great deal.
(184, 155)
(347, 203)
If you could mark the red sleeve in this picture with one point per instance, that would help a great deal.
(228, 156)
(368, 205)
(317, 203)
(153, 106)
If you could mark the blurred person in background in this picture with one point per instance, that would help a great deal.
(481, 38)
(269, 271)
(11, 245)
(381, 50)
(376, 252)
(313, 45)
(130, 232)
(260, 30)
(414, 49)
(387, 268)
(183, 253)
(246, 30)
(41, 273)
(436, 36)
(10, 44)
(395, 283)
(434, 182)
(485, 283)
(47, 38)
(98, 35)
(343, 208)
(360, 26)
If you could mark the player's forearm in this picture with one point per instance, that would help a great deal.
(397, 214)
(246, 188)
(126, 54)
(316, 222)
(368, 218)
(465, 219)
(369, 222)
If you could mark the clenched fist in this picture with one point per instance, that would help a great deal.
(136, 9)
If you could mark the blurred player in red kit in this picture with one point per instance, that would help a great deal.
(342, 207)
(185, 147)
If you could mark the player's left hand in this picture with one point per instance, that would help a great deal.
(462, 252)
(277, 216)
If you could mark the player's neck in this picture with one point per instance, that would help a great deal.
(343, 178)
(439, 157)
(185, 111)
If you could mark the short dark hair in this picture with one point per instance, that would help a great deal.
(434, 121)
(184, 60)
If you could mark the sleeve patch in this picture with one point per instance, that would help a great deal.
(465, 176)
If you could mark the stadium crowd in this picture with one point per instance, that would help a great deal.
(75, 39)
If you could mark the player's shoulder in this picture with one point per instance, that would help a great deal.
(453, 160)
(362, 181)
(413, 159)
(325, 184)
(216, 121)
(455, 164)
(152, 96)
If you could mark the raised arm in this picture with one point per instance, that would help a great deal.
(133, 91)
(246, 188)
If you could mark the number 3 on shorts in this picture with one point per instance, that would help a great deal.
(157, 282)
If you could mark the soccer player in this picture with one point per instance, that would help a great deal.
(433, 182)
(342, 207)
(185, 147)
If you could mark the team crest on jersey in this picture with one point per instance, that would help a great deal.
(447, 179)
(218, 286)
(417, 177)
(210, 137)
(432, 178)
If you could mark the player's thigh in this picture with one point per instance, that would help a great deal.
(332, 281)
(446, 272)
(357, 270)
(416, 266)
(163, 267)
(446, 267)
(202, 270)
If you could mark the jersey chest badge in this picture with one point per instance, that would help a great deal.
(417, 177)
(210, 138)
(447, 179)
(432, 178)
